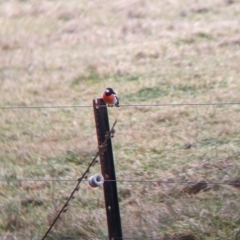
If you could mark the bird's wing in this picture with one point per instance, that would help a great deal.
(117, 100)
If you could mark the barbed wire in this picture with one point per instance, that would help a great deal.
(101, 149)
(122, 105)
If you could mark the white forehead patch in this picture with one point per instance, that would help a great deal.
(107, 90)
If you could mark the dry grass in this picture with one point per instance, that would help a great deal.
(66, 53)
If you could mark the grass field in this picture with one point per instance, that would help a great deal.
(64, 53)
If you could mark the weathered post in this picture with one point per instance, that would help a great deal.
(108, 171)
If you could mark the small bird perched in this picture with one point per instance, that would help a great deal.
(110, 97)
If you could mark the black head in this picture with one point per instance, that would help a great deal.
(109, 91)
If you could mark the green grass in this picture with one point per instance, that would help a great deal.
(146, 94)
(57, 53)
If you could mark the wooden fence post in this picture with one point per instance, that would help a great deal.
(108, 171)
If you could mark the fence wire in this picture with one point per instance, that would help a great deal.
(122, 105)
(167, 200)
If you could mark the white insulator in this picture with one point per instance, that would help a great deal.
(96, 180)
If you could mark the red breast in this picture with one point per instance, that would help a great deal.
(108, 99)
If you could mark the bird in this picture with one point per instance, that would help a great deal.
(110, 97)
